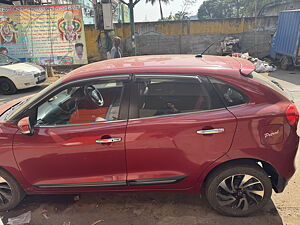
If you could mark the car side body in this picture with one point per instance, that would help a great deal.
(173, 152)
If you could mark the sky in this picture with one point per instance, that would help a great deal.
(146, 12)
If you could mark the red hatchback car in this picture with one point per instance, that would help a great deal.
(153, 123)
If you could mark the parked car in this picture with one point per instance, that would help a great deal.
(15, 75)
(285, 45)
(153, 123)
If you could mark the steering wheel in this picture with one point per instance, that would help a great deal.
(94, 95)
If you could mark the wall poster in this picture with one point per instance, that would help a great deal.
(44, 34)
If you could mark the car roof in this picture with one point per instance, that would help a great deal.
(188, 64)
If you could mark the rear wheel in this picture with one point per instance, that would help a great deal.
(11, 194)
(7, 87)
(286, 63)
(238, 190)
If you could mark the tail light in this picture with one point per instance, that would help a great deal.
(292, 115)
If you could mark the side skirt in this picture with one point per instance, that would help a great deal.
(138, 182)
(156, 181)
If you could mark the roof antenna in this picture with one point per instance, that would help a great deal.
(200, 55)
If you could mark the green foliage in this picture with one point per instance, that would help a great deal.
(178, 16)
(211, 9)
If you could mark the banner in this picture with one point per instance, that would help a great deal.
(46, 35)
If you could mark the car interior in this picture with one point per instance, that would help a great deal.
(78, 105)
(163, 97)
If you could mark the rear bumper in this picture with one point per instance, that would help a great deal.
(280, 184)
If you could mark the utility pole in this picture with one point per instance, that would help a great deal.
(132, 32)
(131, 5)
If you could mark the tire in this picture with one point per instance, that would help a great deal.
(240, 200)
(11, 193)
(286, 63)
(7, 87)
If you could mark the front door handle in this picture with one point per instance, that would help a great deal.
(211, 131)
(108, 140)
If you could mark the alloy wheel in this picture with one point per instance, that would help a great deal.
(5, 86)
(240, 191)
(5, 192)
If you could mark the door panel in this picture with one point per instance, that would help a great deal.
(166, 138)
(170, 146)
(70, 154)
(79, 137)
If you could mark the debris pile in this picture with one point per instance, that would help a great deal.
(229, 45)
(261, 66)
(21, 219)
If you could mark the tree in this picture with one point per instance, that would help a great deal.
(160, 7)
(183, 14)
(231, 8)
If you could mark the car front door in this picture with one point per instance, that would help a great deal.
(177, 127)
(78, 138)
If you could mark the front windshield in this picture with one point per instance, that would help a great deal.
(34, 98)
(10, 110)
(6, 60)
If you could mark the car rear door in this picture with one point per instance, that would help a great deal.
(177, 127)
(77, 143)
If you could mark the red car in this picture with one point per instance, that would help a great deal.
(153, 123)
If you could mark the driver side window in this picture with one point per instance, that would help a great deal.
(82, 104)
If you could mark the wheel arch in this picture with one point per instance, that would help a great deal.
(17, 177)
(267, 167)
(4, 77)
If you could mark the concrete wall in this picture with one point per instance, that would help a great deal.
(190, 37)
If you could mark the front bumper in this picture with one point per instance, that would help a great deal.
(26, 81)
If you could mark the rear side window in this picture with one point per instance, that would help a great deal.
(165, 96)
(230, 95)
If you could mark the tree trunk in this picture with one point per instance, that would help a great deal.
(161, 12)
(237, 9)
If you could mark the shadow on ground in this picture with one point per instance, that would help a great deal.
(292, 77)
(131, 209)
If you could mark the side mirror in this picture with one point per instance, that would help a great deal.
(25, 126)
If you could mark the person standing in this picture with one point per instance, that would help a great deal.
(116, 50)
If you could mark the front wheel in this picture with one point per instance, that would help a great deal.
(7, 87)
(238, 190)
(11, 192)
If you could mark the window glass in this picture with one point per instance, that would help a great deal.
(5, 60)
(82, 104)
(230, 95)
(159, 96)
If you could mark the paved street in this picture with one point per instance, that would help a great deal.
(158, 208)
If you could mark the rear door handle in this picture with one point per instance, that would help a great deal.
(108, 140)
(211, 131)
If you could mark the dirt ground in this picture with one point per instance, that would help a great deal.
(158, 208)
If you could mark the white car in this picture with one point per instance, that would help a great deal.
(15, 75)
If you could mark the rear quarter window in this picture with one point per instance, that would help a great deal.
(230, 95)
